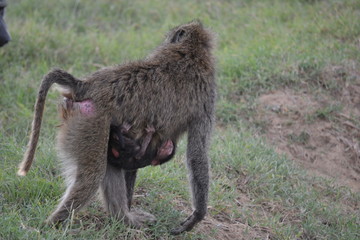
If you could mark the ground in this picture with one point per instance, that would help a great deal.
(288, 82)
(318, 129)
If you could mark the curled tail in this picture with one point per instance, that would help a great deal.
(55, 76)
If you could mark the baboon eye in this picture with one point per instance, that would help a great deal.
(178, 35)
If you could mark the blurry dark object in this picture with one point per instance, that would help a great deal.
(4, 34)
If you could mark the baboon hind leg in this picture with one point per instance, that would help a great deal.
(115, 192)
(82, 147)
(130, 177)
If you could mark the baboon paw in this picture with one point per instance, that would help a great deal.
(54, 222)
(139, 218)
(186, 225)
(145, 216)
(58, 217)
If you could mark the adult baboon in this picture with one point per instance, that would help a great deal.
(4, 34)
(173, 90)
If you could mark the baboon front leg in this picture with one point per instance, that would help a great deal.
(115, 194)
(130, 177)
(82, 146)
(198, 167)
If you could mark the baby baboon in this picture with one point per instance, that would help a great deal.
(123, 151)
(120, 142)
(173, 90)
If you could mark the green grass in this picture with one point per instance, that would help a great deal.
(262, 45)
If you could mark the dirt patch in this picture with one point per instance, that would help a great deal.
(319, 130)
(221, 226)
(219, 229)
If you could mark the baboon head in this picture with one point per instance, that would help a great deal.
(192, 33)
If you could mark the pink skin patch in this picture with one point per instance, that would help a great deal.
(115, 153)
(155, 162)
(87, 108)
(164, 151)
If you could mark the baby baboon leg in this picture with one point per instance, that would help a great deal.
(82, 146)
(149, 132)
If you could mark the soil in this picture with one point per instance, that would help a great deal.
(319, 129)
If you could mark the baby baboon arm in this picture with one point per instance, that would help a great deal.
(116, 142)
(125, 127)
(145, 143)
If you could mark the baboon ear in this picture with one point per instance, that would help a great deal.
(178, 36)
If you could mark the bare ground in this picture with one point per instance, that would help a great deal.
(319, 129)
(219, 224)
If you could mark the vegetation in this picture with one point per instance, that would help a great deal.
(262, 45)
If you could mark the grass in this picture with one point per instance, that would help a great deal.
(262, 45)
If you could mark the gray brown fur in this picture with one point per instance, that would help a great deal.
(173, 90)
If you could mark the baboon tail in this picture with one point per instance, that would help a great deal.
(62, 78)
